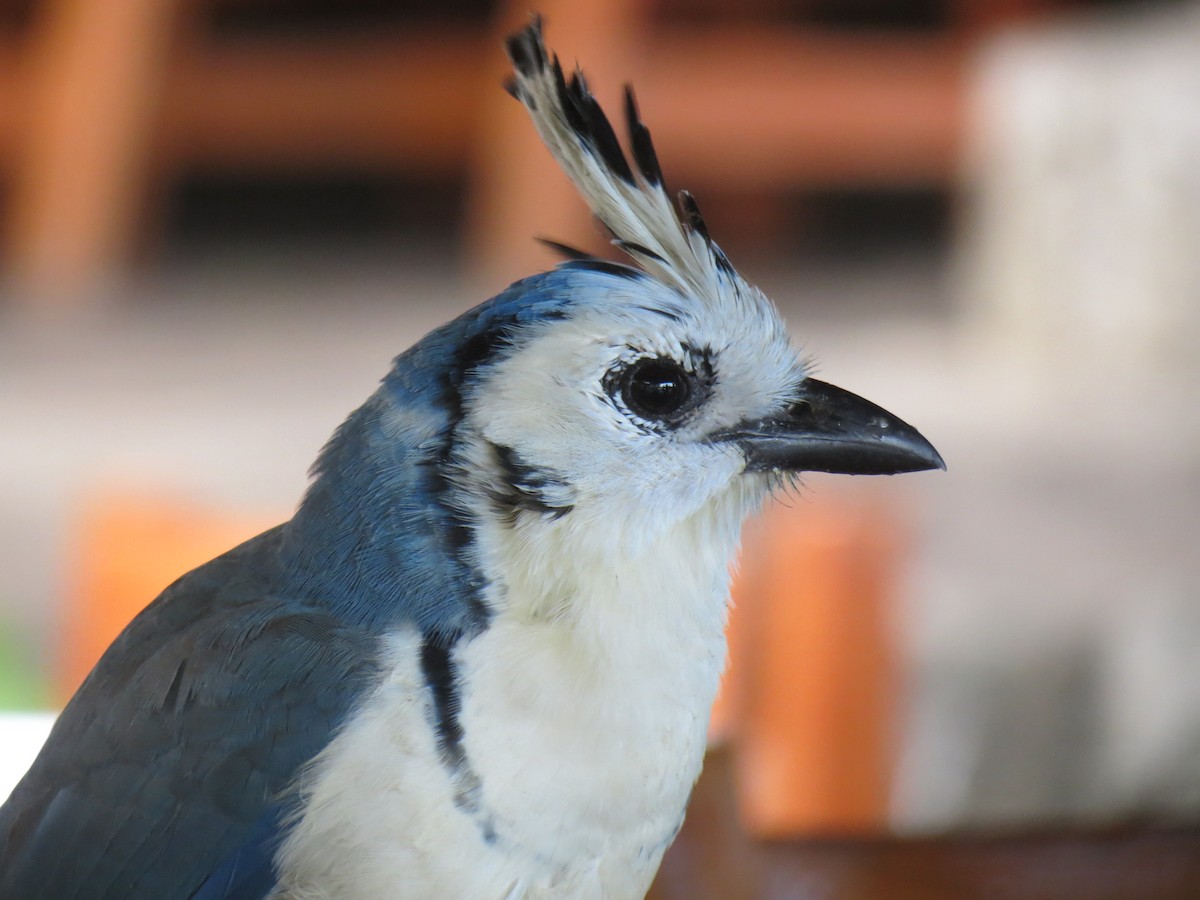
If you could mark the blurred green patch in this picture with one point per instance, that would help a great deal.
(23, 684)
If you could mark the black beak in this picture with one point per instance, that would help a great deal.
(827, 429)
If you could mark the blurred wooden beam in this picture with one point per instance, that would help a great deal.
(753, 107)
(12, 101)
(771, 107)
(798, 108)
(394, 100)
(92, 79)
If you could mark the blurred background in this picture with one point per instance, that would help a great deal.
(221, 219)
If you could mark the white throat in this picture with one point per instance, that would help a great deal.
(584, 707)
(587, 700)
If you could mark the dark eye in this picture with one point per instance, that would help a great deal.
(656, 388)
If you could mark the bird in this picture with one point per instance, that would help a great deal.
(478, 661)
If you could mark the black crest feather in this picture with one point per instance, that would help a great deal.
(666, 237)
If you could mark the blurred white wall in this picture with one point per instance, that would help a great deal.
(1054, 630)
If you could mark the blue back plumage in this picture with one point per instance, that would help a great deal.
(167, 774)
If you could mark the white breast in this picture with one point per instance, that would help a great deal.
(584, 717)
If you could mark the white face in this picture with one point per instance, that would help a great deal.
(616, 404)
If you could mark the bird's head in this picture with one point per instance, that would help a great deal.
(615, 401)
(658, 387)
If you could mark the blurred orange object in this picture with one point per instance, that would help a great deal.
(811, 694)
(129, 545)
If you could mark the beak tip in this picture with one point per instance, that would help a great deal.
(920, 454)
(935, 459)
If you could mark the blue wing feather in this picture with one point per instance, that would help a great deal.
(247, 873)
(189, 729)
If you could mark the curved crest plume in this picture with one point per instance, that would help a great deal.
(630, 200)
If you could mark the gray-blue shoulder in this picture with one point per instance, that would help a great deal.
(190, 727)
